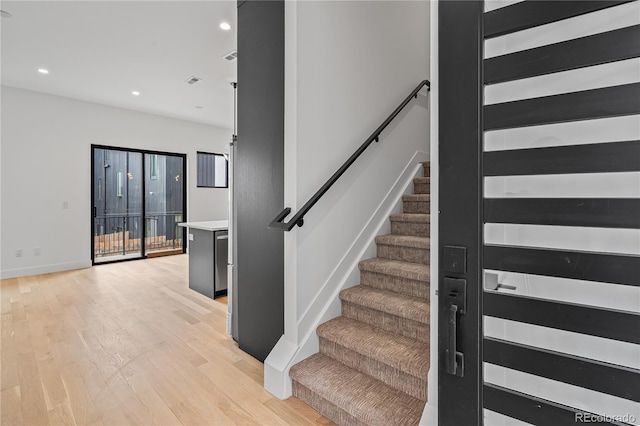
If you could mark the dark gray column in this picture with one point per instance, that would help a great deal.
(259, 176)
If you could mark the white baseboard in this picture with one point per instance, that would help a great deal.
(326, 304)
(44, 269)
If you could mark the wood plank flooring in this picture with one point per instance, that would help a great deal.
(128, 343)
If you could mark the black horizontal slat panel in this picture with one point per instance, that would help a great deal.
(599, 267)
(620, 381)
(591, 212)
(587, 104)
(534, 410)
(596, 49)
(607, 323)
(591, 158)
(528, 14)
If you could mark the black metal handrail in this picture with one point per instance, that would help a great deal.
(298, 219)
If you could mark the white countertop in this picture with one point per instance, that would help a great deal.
(212, 225)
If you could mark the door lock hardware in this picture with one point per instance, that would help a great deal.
(455, 301)
(455, 259)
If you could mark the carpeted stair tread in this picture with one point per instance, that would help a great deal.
(321, 405)
(416, 224)
(399, 352)
(422, 185)
(407, 248)
(416, 197)
(403, 241)
(416, 203)
(411, 217)
(421, 188)
(412, 271)
(412, 308)
(366, 399)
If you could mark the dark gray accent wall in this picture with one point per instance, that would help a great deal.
(259, 176)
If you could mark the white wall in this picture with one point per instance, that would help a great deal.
(430, 414)
(46, 160)
(348, 65)
(608, 185)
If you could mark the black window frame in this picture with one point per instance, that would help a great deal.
(198, 185)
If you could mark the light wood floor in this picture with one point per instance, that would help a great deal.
(128, 343)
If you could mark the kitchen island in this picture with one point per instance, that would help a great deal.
(208, 243)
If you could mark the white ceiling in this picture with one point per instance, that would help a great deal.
(101, 51)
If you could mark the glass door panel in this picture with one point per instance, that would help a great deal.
(117, 204)
(164, 203)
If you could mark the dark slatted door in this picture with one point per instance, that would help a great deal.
(561, 212)
(558, 180)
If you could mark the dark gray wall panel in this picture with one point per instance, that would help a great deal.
(595, 321)
(524, 15)
(596, 49)
(578, 265)
(610, 157)
(592, 212)
(259, 176)
(613, 101)
(531, 409)
(600, 376)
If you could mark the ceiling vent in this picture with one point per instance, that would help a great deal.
(231, 55)
(193, 80)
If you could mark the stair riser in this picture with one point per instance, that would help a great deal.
(416, 206)
(324, 407)
(405, 254)
(400, 285)
(427, 170)
(417, 229)
(393, 323)
(388, 375)
(421, 188)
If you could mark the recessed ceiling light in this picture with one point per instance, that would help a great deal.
(225, 26)
(5, 14)
(135, 93)
(43, 71)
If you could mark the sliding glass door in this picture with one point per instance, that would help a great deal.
(138, 201)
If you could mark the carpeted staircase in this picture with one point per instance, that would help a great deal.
(373, 361)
